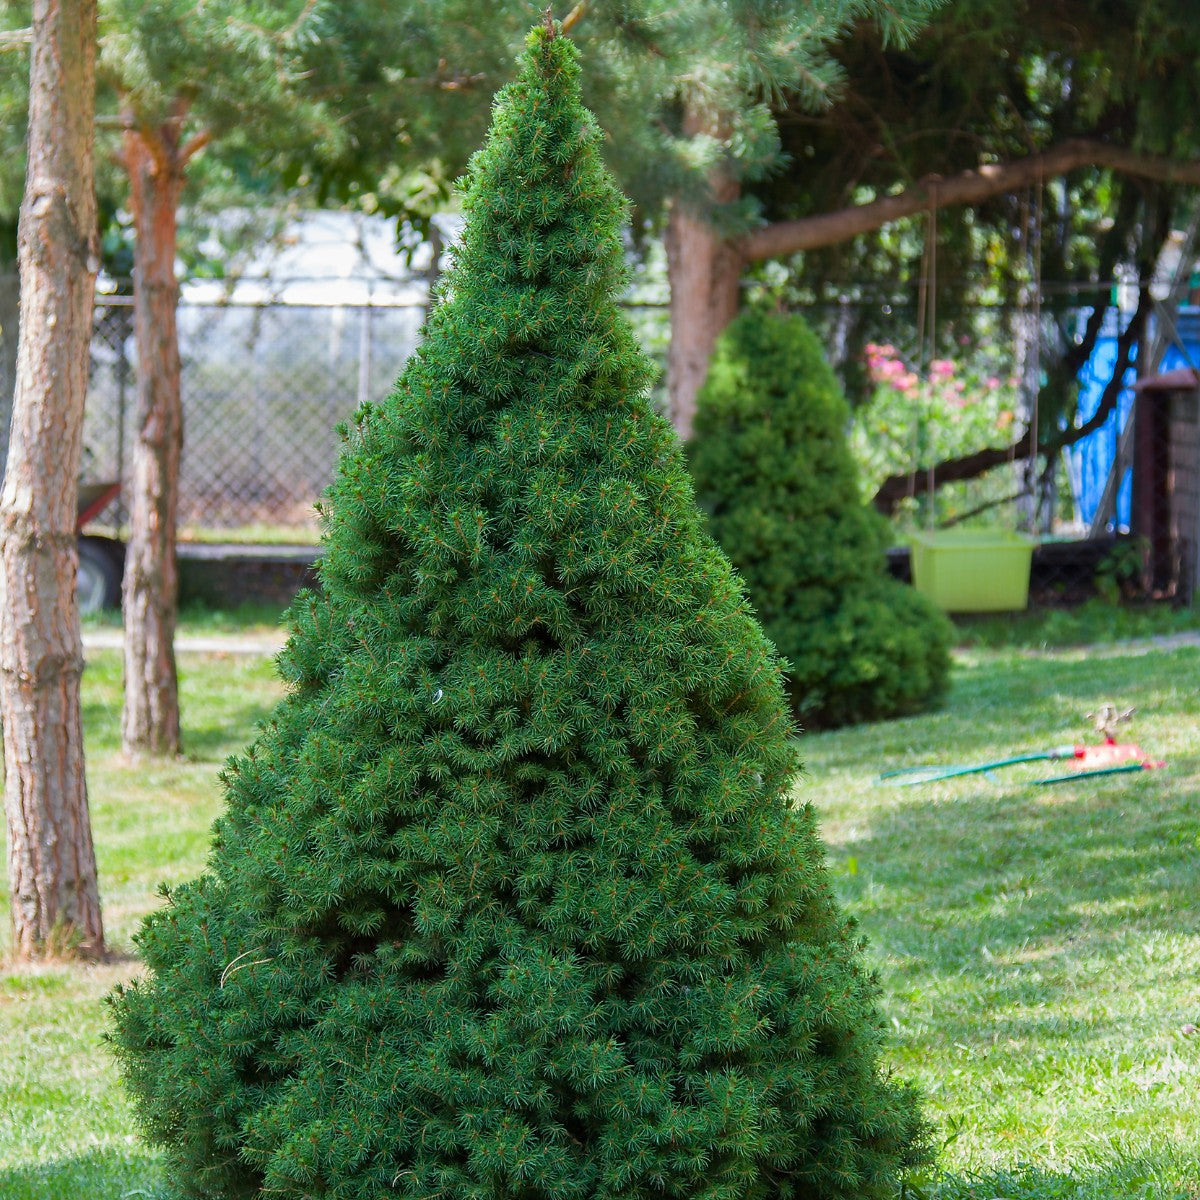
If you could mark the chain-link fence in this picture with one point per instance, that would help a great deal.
(263, 389)
(265, 385)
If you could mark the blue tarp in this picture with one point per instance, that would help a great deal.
(1092, 458)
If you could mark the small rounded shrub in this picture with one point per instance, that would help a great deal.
(773, 469)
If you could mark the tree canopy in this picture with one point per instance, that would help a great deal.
(1052, 151)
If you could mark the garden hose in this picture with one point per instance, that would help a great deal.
(1072, 776)
(931, 774)
(1114, 759)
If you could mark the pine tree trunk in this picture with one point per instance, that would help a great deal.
(704, 271)
(150, 723)
(51, 863)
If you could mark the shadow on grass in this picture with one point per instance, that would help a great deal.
(1143, 1178)
(1012, 894)
(112, 1175)
(1006, 889)
(1057, 691)
(220, 715)
(102, 1174)
(224, 730)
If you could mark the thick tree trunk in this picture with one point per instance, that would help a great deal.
(150, 723)
(51, 864)
(704, 271)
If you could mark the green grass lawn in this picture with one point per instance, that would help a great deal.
(1039, 949)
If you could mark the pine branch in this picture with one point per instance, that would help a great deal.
(575, 15)
(193, 146)
(280, 37)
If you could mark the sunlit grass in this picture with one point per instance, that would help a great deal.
(1037, 947)
(66, 1130)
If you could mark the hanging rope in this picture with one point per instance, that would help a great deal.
(926, 347)
(927, 310)
(930, 481)
(1035, 251)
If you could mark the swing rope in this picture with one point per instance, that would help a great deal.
(1035, 252)
(926, 348)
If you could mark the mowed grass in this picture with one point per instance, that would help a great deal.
(1038, 948)
(66, 1130)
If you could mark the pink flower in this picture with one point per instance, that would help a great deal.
(941, 368)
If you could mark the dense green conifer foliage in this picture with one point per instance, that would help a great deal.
(510, 898)
(773, 469)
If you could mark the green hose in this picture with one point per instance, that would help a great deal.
(1072, 776)
(929, 774)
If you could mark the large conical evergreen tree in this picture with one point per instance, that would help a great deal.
(510, 899)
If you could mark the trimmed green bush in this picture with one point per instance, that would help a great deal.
(773, 469)
(510, 898)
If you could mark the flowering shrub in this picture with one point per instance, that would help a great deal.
(910, 422)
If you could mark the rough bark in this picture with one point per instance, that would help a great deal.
(51, 863)
(704, 271)
(150, 722)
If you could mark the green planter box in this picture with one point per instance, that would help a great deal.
(973, 570)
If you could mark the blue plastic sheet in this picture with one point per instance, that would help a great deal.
(1092, 458)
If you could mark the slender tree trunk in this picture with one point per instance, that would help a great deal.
(150, 723)
(51, 864)
(704, 271)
